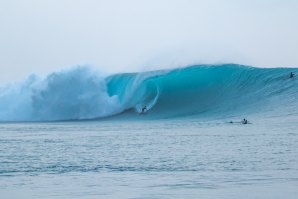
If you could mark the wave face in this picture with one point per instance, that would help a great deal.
(199, 91)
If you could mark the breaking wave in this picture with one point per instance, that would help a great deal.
(200, 91)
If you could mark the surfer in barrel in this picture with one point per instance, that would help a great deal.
(144, 109)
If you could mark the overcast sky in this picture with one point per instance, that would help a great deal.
(40, 36)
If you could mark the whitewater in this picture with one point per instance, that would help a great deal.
(80, 134)
(202, 91)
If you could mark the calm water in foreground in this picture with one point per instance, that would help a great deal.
(149, 159)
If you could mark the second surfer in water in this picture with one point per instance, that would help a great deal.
(244, 121)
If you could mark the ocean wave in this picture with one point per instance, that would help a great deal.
(202, 90)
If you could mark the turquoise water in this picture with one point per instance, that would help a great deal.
(76, 134)
(201, 91)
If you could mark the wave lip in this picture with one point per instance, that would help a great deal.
(200, 91)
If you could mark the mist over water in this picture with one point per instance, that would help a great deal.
(184, 145)
(72, 94)
(162, 118)
(115, 36)
(198, 91)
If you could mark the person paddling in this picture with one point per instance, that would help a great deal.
(244, 121)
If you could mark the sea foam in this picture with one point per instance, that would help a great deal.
(203, 90)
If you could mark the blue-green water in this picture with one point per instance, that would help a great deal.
(200, 91)
(76, 134)
(150, 159)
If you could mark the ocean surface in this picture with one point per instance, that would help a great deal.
(76, 134)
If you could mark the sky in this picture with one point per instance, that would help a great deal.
(42, 36)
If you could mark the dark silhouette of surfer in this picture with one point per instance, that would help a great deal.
(292, 75)
(144, 108)
(244, 121)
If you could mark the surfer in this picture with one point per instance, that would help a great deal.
(144, 108)
(292, 75)
(244, 121)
